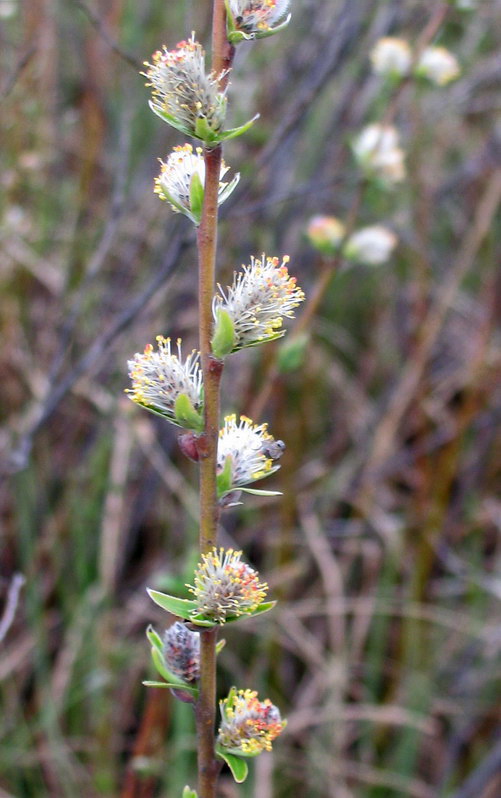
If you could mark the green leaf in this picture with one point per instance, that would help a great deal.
(257, 492)
(172, 686)
(235, 131)
(225, 193)
(186, 415)
(196, 197)
(224, 478)
(188, 793)
(155, 639)
(239, 767)
(155, 411)
(238, 36)
(230, 20)
(271, 32)
(271, 337)
(182, 608)
(204, 132)
(171, 120)
(223, 339)
(201, 620)
(162, 414)
(266, 606)
(159, 663)
(220, 645)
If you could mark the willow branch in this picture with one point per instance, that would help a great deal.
(208, 767)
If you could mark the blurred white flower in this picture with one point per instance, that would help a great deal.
(370, 245)
(8, 8)
(182, 179)
(377, 151)
(391, 56)
(325, 233)
(438, 65)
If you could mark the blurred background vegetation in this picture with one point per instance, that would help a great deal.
(385, 547)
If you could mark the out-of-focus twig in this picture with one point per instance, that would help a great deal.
(95, 352)
(11, 603)
(405, 390)
(489, 769)
(112, 44)
(14, 77)
(102, 250)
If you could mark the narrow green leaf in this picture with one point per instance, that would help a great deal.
(257, 492)
(201, 620)
(183, 608)
(229, 188)
(239, 767)
(220, 645)
(230, 21)
(155, 639)
(236, 131)
(238, 36)
(186, 415)
(172, 686)
(160, 664)
(272, 337)
(265, 607)
(171, 120)
(196, 197)
(155, 411)
(224, 478)
(223, 339)
(204, 132)
(271, 32)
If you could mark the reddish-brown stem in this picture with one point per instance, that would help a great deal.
(208, 766)
(207, 243)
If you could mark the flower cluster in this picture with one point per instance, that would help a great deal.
(248, 725)
(246, 452)
(370, 245)
(181, 182)
(393, 57)
(378, 152)
(438, 65)
(225, 587)
(164, 384)
(255, 19)
(183, 94)
(325, 233)
(182, 652)
(254, 306)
